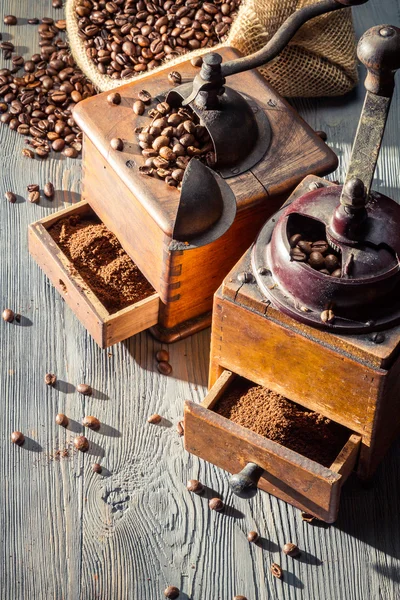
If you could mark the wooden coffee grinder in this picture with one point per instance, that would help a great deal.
(185, 242)
(323, 333)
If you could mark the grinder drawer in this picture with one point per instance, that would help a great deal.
(106, 327)
(287, 474)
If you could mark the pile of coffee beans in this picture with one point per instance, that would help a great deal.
(37, 95)
(125, 37)
(318, 254)
(172, 138)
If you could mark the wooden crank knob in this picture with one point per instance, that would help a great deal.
(379, 51)
(247, 478)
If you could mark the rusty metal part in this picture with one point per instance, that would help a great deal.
(207, 206)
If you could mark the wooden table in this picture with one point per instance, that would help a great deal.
(67, 533)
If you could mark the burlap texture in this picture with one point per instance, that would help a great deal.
(319, 61)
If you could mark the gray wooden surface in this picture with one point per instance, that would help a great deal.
(66, 533)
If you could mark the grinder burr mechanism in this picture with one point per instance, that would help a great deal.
(361, 226)
(239, 129)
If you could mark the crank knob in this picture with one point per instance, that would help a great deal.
(247, 478)
(379, 51)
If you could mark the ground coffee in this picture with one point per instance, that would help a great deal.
(277, 418)
(101, 261)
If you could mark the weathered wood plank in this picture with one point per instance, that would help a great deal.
(59, 536)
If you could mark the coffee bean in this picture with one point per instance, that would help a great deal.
(11, 197)
(276, 571)
(180, 428)
(17, 438)
(34, 197)
(162, 356)
(91, 423)
(84, 389)
(10, 20)
(32, 187)
(144, 96)
(48, 190)
(97, 468)
(305, 246)
(164, 367)
(138, 107)
(239, 598)
(336, 273)
(58, 145)
(57, 3)
(50, 378)
(320, 246)
(62, 420)
(316, 260)
(27, 153)
(197, 61)
(308, 518)
(216, 504)
(81, 443)
(195, 486)
(154, 419)
(331, 262)
(327, 316)
(252, 536)
(324, 271)
(117, 144)
(295, 239)
(297, 255)
(114, 98)
(175, 78)
(8, 315)
(291, 550)
(33, 21)
(322, 135)
(171, 592)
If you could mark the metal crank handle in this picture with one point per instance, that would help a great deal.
(284, 34)
(379, 51)
(247, 478)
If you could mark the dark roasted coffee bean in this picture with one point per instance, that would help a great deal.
(57, 3)
(33, 21)
(117, 144)
(17, 438)
(336, 273)
(252, 536)
(81, 443)
(316, 260)
(144, 96)
(34, 197)
(48, 190)
(11, 197)
(8, 315)
(291, 550)
(97, 468)
(27, 153)
(195, 486)
(164, 367)
(84, 389)
(175, 78)
(295, 239)
(276, 571)
(138, 107)
(171, 592)
(33, 187)
(320, 246)
(114, 98)
(62, 420)
(70, 152)
(216, 504)
(50, 378)
(331, 262)
(162, 356)
(91, 422)
(297, 255)
(154, 419)
(197, 61)
(327, 316)
(239, 598)
(180, 428)
(58, 145)
(10, 20)
(305, 246)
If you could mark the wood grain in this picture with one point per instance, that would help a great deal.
(59, 536)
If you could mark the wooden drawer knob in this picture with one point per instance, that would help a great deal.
(247, 478)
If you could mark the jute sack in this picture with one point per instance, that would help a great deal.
(319, 61)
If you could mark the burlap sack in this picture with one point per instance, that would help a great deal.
(319, 61)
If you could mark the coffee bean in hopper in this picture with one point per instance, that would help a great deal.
(171, 592)
(17, 438)
(8, 315)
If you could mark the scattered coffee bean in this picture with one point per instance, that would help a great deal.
(138, 107)
(322, 135)
(162, 356)
(50, 378)
(175, 78)
(62, 420)
(164, 367)
(17, 438)
(10, 20)
(216, 504)
(239, 598)
(32, 187)
(97, 468)
(154, 419)
(291, 550)
(195, 486)
(308, 518)
(34, 197)
(114, 98)
(253, 536)
(11, 197)
(171, 592)
(117, 144)
(180, 428)
(57, 3)
(196, 61)
(144, 96)
(81, 443)
(327, 316)
(84, 389)
(33, 21)
(276, 571)
(8, 315)
(48, 190)
(91, 422)
(28, 153)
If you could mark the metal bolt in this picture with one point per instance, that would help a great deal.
(377, 338)
(315, 185)
(245, 277)
(386, 32)
(264, 271)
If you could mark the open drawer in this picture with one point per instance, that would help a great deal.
(286, 474)
(107, 328)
